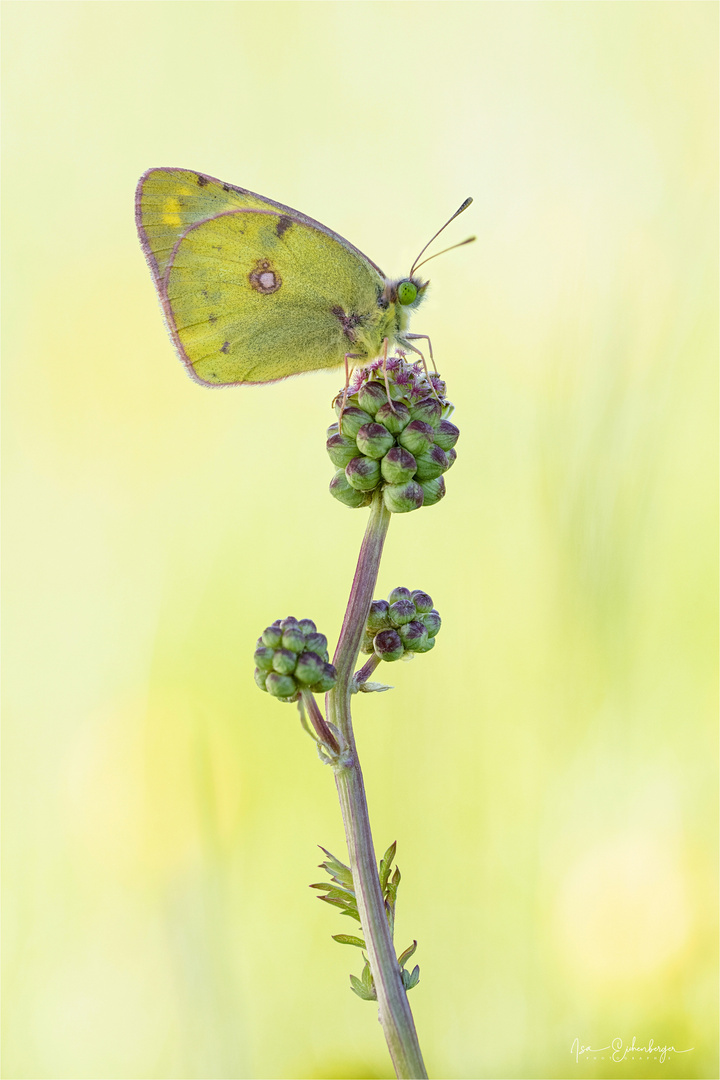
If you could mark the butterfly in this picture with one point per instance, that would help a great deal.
(254, 291)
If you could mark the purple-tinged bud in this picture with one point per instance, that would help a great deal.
(378, 616)
(260, 677)
(264, 657)
(341, 450)
(352, 420)
(363, 473)
(371, 396)
(431, 463)
(293, 639)
(401, 611)
(326, 681)
(310, 668)
(401, 498)
(287, 624)
(317, 643)
(431, 621)
(394, 417)
(374, 440)
(284, 661)
(416, 437)
(272, 636)
(434, 490)
(426, 646)
(388, 645)
(421, 600)
(413, 636)
(429, 410)
(307, 626)
(451, 456)
(399, 593)
(446, 435)
(398, 466)
(345, 493)
(368, 641)
(334, 429)
(280, 686)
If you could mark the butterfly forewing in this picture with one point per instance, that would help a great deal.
(256, 295)
(169, 201)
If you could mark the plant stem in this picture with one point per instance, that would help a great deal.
(394, 1008)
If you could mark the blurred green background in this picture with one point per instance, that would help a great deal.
(549, 771)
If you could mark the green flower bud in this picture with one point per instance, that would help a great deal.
(431, 621)
(284, 661)
(425, 646)
(290, 623)
(264, 657)
(281, 686)
(326, 681)
(260, 677)
(310, 668)
(371, 396)
(272, 637)
(334, 429)
(421, 600)
(293, 639)
(399, 593)
(451, 456)
(446, 435)
(363, 473)
(378, 617)
(394, 417)
(416, 437)
(429, 410)
(398, 466)
(341, 450)
(317, 643)
(413, 636)
(388, 645)
(431, 463)
(433, 490)
(401, 612)
(368, 641)
(345, 493)
(401, 498)
(374, 440)
(353, 419)
(307, 626)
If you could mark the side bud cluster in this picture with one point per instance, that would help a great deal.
(404, 624)
(292, 656)
(401, 446)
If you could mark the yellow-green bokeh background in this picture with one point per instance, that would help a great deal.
(549, 772)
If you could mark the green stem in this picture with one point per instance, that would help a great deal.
(395, 1014)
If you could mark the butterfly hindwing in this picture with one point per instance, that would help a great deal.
(254, 295)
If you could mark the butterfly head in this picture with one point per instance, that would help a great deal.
(407, 292)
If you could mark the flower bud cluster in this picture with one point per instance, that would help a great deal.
(292, 656)
(404, 624)
(401, 445)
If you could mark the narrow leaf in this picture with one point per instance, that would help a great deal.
(404, 957)
(358, 988)
(386, 863)
(348, 939)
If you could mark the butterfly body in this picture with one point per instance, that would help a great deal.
(254, 291)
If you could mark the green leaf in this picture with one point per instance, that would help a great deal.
(337, 869)
(348, 939)
(386, 863)
(358, 988)
(352, 914)
(404, 957)
(367, 977)
(410, 978)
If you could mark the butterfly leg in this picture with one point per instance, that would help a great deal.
(385, 375)
(348, 356)
(418, 337)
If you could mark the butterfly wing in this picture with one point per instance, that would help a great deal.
(169, 201)
(253, 295)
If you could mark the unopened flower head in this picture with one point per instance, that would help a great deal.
(291, 656)
(404, 624)
(395, 437)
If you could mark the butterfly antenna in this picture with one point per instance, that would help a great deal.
(452, 247)
(458, 211)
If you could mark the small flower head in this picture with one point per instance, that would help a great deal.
(404, 624)
(291, 656)
(392, 436)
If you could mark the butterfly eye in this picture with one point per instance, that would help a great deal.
(406, 292)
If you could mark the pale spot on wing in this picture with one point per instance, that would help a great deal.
(171, 211)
